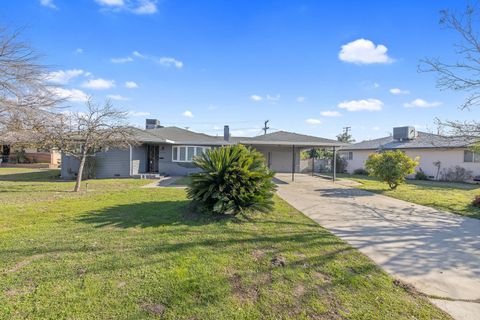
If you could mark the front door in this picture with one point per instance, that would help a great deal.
(152, 162)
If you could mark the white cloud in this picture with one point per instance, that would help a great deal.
(273, 98)
(131, 85)
(376, 128)
(314, 122)
(111, 3)
(133, 6)
(99, 84)
(70, 94)
(188, 114)
(138, 54)
(301, 99)
(121, 60)
(330, 113)
(376, 85)
(78, 51)
(170, 62)
(255, 97)
(398, 91)
(117, 97)
(64, 76)
(138, 113)
(145, 7)
(363, 51)
(48, 4)
(361, 105)
(420, 103)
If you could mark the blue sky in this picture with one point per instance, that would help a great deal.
(307, 66)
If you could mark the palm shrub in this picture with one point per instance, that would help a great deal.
(391, 167)
(234, 179)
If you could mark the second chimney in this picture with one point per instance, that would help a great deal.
(226, 133)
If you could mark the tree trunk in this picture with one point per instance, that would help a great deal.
(80, 171)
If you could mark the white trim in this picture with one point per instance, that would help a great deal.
(186, 152)
(131, 160)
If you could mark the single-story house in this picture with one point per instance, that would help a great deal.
(438, 155)
(170, 151)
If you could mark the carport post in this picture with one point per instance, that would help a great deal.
(334, 175)
(293, 163)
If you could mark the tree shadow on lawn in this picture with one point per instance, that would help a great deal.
(151, 214)
(167, 213)
(35, 176)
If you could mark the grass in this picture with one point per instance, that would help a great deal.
(119, 251)
(447, 196)
(183, 181)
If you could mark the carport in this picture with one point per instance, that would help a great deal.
(282, 149)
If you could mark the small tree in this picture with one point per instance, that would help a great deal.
(82, 134)
(234, 180)
(391, 167)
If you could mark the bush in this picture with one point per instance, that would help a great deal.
(456, 174)
(476, 201)
(234, 180)
(391, 167)
(420, 175)
(360, 171)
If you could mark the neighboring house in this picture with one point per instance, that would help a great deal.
(11, 155)
(438, 155)
(170, 151)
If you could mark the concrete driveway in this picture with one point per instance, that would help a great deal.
(437, 252)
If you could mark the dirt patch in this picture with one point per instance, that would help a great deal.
(407, 287)
(278, 261)
(299, 291)
(25, 262)
(153, 308)
(243, 292)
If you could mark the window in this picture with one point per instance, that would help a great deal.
(469, 156)
(187, 153)
(347, 155)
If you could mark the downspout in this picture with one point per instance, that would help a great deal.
(334, 176)
(131, 160)
(293, 163)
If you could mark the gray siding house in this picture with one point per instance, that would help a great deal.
(169, 151)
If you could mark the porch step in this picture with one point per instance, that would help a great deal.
(147, 176)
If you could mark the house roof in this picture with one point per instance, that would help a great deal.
(423, 140)
(175, 135)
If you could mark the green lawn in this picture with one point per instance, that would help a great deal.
(448, 196)
(119, 251)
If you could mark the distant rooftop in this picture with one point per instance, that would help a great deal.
(422, 140)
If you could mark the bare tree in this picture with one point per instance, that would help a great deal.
(25, 96)
(82, 134)
(464, 73)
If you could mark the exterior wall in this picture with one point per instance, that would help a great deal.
(358, 160)
(280, 159)
(167, 167)
(69, 167)
(448, 158)
(112, 163)
(139, 159)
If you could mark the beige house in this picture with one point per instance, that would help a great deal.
(440, 157)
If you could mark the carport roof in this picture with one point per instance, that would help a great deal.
(289, 138)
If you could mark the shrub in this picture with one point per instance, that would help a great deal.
(391, 167)
(476, 201)
(360, 171)
(456, 174)
(420, 175)
(234, 180)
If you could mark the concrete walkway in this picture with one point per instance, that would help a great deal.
(437, 252)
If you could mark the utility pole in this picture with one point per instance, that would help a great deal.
(346, 129)
(265, 127)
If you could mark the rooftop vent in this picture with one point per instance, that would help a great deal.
(152, 124)
(404, 133)
(226, 133)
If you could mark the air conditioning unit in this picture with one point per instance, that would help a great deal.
(404, 133)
